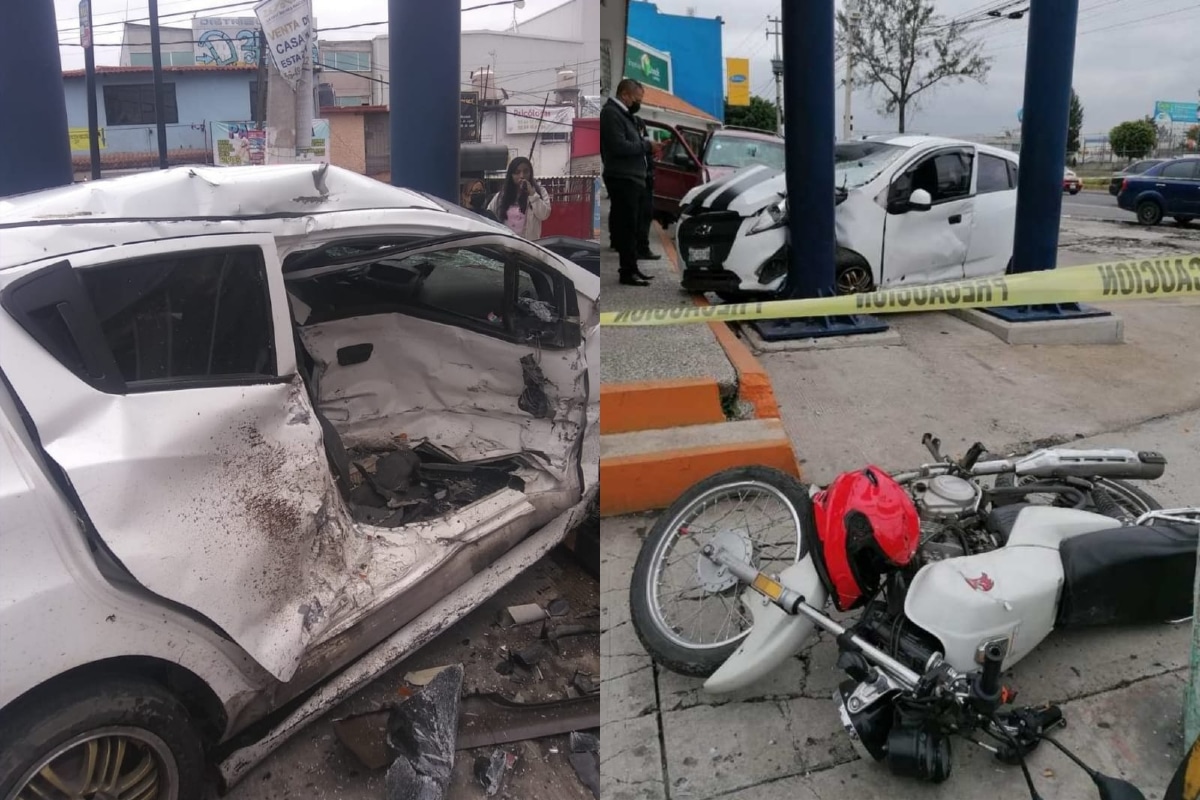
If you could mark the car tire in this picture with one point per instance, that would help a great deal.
(1149, 212)
(1184, 220)
(1074, 192)
(54, 729)
(853, 274)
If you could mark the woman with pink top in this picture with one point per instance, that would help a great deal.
(522, 204)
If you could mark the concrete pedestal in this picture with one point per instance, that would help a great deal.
(1087, 330)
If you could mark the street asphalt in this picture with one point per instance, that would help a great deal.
(1094, 205)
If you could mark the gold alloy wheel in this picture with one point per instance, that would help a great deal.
(115, 763)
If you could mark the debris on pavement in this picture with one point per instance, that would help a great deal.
(585, 758)
(555, 632)
(423, 731)
(530, 656)
(491, 771)
(585, 684)
(424, 676)
(559, 607)
(522, 615)
(365, 735)
(492, 720)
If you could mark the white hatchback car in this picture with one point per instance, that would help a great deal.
(265, 431)
(910, 210)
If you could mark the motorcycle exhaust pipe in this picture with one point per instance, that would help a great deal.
(794, 603)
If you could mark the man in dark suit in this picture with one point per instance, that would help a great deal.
(646, 207)
(623, 153)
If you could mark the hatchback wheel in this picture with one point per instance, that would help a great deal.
(114, 740)
(1149, 212)
(853, 275)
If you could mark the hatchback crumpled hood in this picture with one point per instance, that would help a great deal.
(745, 192)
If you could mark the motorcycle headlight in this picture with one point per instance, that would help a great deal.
(772, 217)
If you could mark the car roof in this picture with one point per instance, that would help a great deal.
(748, 133)
(912, 141)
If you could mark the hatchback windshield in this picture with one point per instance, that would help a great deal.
(857, 163)
(739, 152)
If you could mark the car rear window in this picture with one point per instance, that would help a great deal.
(994, 175)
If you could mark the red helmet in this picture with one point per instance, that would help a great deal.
(866, 522)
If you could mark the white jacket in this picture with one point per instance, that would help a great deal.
(537, 210)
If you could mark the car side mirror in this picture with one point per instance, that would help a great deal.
(682, 159)
(920, 200)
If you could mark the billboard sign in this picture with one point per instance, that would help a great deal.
(648, 66)
(525, 119)
(1169, 113)
(287, 27)
(242, 144)
(737, 81)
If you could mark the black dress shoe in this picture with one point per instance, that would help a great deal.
(642, 276)
(648, 256)
(632, 280)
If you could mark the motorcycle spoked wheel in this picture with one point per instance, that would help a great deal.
(688, 613)
(1132, 499)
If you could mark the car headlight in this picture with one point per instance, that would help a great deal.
(771, 217)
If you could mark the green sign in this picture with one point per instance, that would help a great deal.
(649, 69)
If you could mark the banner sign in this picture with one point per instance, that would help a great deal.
(287, 26)
(1174, 276)
(468, 116)
(737, 81)
(85, 23)
(524, 119)
(79, 139)
(648, 66)
(317, 153)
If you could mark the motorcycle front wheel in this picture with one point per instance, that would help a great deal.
(688, 612)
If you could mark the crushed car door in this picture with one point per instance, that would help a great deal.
(161, 380)
(471, 345)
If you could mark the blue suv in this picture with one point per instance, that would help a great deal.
(1171, 188)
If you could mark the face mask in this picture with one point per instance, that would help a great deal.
(477, 200)
(635, 107)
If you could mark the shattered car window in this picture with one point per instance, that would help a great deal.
(858, 163)
(196, 315)
(739, 152)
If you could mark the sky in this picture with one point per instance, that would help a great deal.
(1124, 62)
(108, 16)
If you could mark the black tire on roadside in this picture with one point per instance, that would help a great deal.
(852, 274)
(695, 661)
(1149, 212)
(1184, 220)
(32, 730)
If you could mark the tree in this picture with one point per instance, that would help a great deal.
(1074, 124)
(1193, 135)
(902, 49)
(1133, 139)
(760, 114)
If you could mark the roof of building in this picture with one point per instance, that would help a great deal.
(79, 73)
(669, 102)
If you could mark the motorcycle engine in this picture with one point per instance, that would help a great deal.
(944, 503)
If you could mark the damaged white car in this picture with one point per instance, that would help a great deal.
(266, 431)
(910, 210)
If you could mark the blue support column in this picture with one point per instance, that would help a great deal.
(809, 87)
(33, 130)
(424, 86)
(1049, 67)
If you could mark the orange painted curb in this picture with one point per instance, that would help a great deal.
(754, 385)
(653, 481)
(650, 405)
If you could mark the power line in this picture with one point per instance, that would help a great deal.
(1125, 24)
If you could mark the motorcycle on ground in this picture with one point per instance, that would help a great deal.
(957, 570)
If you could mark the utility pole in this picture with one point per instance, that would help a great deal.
(260, 106)
(160, 111)
(777, 68)
(855, 17)
(89, 64)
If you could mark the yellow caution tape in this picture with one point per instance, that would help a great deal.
(1120, 280)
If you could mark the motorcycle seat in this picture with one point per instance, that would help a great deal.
(1129, 575)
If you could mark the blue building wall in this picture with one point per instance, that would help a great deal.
(201, 96)
(697, 64)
